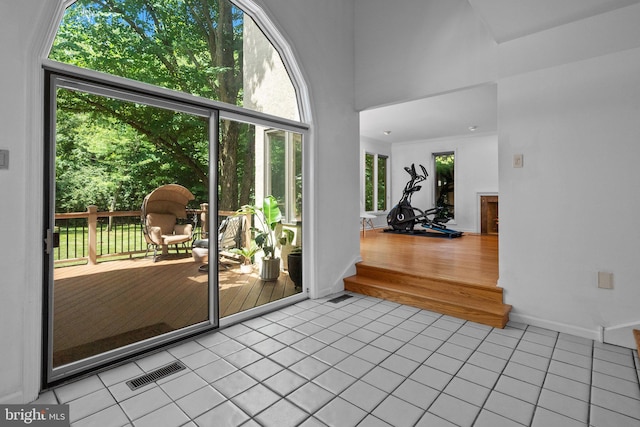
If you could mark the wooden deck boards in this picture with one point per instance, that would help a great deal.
(93, 303)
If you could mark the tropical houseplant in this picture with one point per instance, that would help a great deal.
(247, 253)
(268, 233)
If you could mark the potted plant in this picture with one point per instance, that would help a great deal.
(247, 254)
(294, 263)
(269, 232)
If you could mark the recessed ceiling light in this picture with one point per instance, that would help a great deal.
(387, 132)
(472, 128)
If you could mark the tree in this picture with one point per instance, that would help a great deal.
(193, 46)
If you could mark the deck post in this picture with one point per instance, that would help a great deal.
(204, 220)
(93, 234)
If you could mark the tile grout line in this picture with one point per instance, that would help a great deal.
(343, 315)
(544, 380)
(493, 388)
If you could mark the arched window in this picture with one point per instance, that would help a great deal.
(207, 48)
(143, 95)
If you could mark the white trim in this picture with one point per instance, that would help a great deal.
(363, 189)
(226, 110)
(555, 326)
(338, 286)
(621, 335)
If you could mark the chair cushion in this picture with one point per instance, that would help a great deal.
(166, 222)
(184, 229)
(174, 239)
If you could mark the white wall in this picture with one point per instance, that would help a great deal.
(410, 49)
(21, 207)
(476, 171)
(572, 210)
(333, 244)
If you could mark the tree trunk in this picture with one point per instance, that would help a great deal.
(227, 166)
(249, 174)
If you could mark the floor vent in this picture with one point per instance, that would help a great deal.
(152, 376)
(339, 299)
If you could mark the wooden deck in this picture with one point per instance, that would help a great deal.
(118, 302)
(456, 276)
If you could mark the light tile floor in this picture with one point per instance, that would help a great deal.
(368, 362)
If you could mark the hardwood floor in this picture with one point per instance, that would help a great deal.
(118, 301)
(472, 258)
(452, 276)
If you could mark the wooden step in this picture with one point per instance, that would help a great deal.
(636, 335)
(478, 303)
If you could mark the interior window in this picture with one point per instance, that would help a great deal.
(445, 184)
(375, 182)
(283, 172)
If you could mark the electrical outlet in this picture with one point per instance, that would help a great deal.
(518, 160)
(605, 280)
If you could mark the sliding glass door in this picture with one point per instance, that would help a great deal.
(129, 177)
(164, 214)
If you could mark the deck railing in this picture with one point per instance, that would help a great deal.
(87, 237)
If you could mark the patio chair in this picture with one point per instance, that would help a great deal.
(230, 236)
(164, 219)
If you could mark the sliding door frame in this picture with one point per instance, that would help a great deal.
(58, 75)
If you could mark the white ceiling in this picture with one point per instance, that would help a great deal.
(451, 114)
(434, 117)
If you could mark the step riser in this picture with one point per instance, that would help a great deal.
(426, 285)
(474, 302)
(463, 312)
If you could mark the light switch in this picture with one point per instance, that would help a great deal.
(4, 159)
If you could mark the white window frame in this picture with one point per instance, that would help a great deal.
(290, 171)
(376, 157)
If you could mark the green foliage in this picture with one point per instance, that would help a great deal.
(445, 184)
(247, 252)
(368, 182)
(268, 225)
(193, 46)
(112, 153)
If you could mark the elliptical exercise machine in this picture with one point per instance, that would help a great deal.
(403, 217)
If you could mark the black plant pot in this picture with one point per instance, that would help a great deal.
(294, 263)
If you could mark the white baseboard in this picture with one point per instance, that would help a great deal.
(13, 398)
(338, 286)
(556, 326)
(621, 335)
